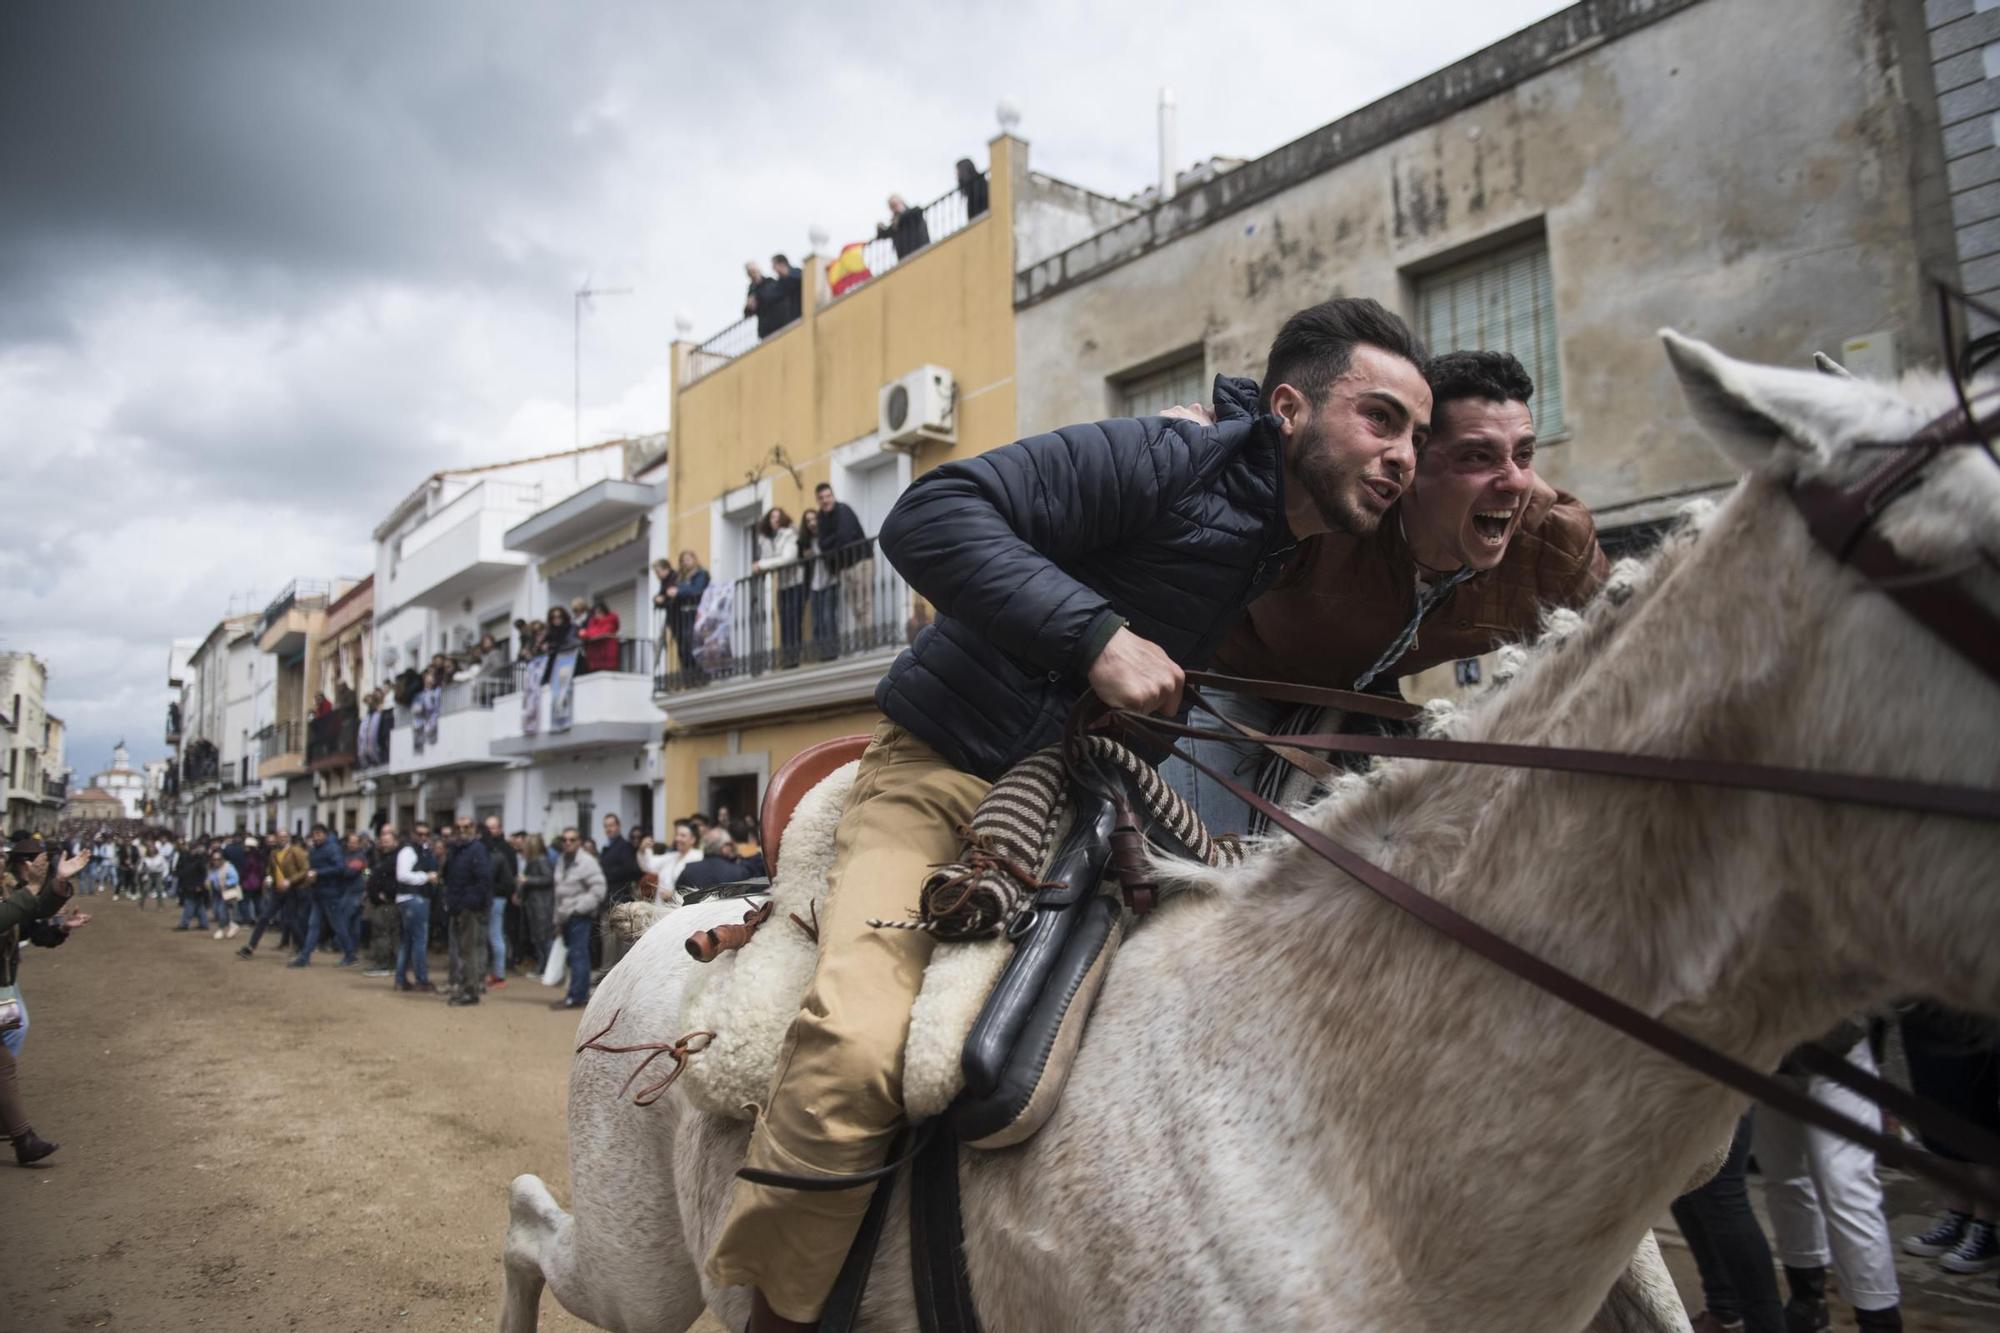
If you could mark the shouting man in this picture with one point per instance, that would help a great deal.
(1471, 556)
(1103, 557)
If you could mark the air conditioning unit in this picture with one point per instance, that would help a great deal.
(919, 406)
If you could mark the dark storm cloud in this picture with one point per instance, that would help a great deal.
(314, 143)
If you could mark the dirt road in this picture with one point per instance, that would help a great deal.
(246, 1146)
(250, 1147)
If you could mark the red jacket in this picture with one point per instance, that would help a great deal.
(600, 642)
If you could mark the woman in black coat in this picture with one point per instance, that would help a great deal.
(33, 897)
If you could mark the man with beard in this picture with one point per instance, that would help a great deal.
(1102, 557)
(1470, 558)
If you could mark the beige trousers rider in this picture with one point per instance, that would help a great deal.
(838, 1095)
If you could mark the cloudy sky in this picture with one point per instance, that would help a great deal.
(265, 265)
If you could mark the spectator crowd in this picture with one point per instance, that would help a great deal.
(489, 902)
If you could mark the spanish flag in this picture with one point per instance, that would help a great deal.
(848, 269)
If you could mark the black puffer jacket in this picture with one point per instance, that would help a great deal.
(1036, 553)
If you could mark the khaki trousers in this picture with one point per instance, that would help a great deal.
(838, 1095)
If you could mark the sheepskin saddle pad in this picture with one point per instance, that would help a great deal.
(1024, 933)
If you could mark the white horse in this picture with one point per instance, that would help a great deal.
(1297, 1108)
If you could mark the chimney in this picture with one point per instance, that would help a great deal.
(1169, 149)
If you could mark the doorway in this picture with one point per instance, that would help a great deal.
(734, 792)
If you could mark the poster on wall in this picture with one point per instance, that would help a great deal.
(531, 696)
(562, 689)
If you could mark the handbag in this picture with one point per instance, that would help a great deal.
(11, 1013)
(552, 975)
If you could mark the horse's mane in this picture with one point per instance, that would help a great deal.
(1530, 671)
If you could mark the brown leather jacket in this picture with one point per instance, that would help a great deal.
(1344, 599)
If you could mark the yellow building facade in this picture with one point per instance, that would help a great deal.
(761, 421)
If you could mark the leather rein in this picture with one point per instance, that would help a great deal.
(1842, 521)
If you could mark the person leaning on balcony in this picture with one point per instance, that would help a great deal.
(776, 540)
(690, 582)
(822, 586)
(971, 184)
(762, 299)
(850, 557)
(600, 637)
(906, 229)
(790, 301)
(1040, 601)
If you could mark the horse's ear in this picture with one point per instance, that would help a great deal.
(1760, 415)
(1826, 365)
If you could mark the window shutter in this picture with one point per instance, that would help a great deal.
(1503, 302)
(1152, 393)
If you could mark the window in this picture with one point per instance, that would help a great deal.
(1150, 393)
(1500, 302)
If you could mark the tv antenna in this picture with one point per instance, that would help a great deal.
(583, 296)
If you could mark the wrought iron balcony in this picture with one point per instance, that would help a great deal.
(817, 631)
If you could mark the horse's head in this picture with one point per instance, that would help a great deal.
(1870, 689)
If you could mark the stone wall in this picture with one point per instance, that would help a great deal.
(1765, 174)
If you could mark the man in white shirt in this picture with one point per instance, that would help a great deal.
(416, 872)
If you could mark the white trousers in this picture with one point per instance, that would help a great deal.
(1821, 1187)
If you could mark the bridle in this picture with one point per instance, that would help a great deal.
(1843, 521)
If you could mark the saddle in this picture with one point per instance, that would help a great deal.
(1028, 923)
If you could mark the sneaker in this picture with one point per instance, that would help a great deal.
(218, 933)
(347, 962)
(1942, 1237)
(567, 1004)
(297, 962)
(1979, 1251)
(404, 986)
(232, 932)
(1706, 1322)
(424, 988)
(463, 999)
(496, 983)
(245, 952)
(379, 972)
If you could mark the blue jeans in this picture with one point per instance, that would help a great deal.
(576, 938)
(194, 909)
(13, 1037)
(267, 912)
(328, 907)
(496, 939)
(350, 912)
(413, 946)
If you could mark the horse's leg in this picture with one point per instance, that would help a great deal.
(532, 1218)
(1644, 1299)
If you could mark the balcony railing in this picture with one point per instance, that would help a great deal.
(296, 591)
(716, 352)
(173, 723)
(200, 763)
(282, 738)
(331, 738)
(55, 789)
(630, 656)
(943, 216)
(844, 604)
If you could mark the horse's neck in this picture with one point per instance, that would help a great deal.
(1486, 1094)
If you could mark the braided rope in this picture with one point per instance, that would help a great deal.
(1013, 830)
